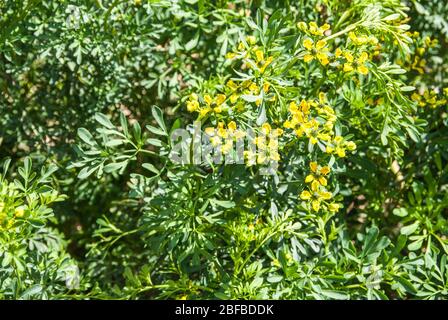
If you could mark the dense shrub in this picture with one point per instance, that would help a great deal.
(343, 195)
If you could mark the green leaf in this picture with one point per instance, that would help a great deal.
(409, 229)
(158, 116)
(104, 120)
(337, 295)
(150, 167)
(85, 136)
(400, 212)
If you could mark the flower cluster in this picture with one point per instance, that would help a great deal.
(315, 120)
(262, 144)
(208, 104)
(430, 98)
(252, 55)
(313, 29)
(236, 96)
(417, 61)
(362, 39)
(351, 60)
(317, 51)
(9, 215)
(316, 47)
(316, 194)
(266, 146)
(223, 137)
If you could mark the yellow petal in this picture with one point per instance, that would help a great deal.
(220, 98)
(333, 207)
(362, 69)
(363, 57)
(275, 156)
(305, 195)
(340, 152)
(308, 44)
(322, 98)
(325, 195)
(323, 58)
(325, 170)
(309, 178)
(266, 128)
(348, 67)
(266, 87)
(348, 56)
(261, 159)
(315, 185)
(338, 53)
(232, 85)
(308, 58)
(352, 36)
(316, 205)
(322, 181)
(293, 107)
(232, 125)
(230, 55)
(207, 99)
(313, 166)
(260, 55)
(321, 44)
(325, 27)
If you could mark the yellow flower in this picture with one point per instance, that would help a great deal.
(266, 128)
(19, 212)
(333, 207)
(230, 55)
(305, 195)
(359, 40)
(338, 53)
(338, 146)
(227, 146)
(192, 106)
(266, 87)
(293, 107)
(316, 198)
(316, 51)
(253, 88)
(232, 125)
(277, 132)
(351, 145)
(232, 85)
(220, 98)
(316, 30)
(356, 64)
(274, 155)
(251, 40)
(260, 55)
(302, 26)
(317, 177)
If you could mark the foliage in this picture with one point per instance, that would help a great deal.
(343, 195)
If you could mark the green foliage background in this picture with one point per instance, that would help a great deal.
(106, 219)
